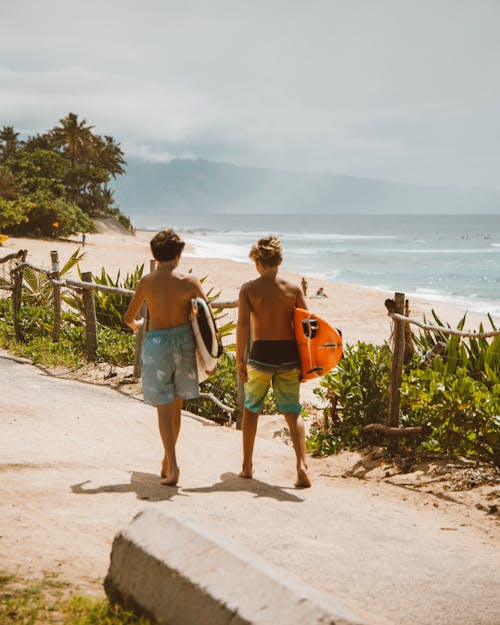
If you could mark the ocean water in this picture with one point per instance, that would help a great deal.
(452, 258)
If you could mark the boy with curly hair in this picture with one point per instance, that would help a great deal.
(266, 304)
(169, 372)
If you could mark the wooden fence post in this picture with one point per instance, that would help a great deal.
(90, 318)
(56, 296)
(139, 337)
(397, 361)
(17, 288)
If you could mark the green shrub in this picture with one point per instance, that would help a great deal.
(463, 413)
(459, 406)
(115, 346)
(356, 393)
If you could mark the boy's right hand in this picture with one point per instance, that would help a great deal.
(242, 370)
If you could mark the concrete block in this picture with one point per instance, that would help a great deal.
(181, 573)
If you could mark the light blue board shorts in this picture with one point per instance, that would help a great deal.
(169, 365)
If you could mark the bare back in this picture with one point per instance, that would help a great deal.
(271, 301)
(168, 295)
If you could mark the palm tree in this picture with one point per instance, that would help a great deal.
(39, 142)
(8, 142)
(75, 139)
(110, 155)
(77, 143)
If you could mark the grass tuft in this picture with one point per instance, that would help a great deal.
(48, 601)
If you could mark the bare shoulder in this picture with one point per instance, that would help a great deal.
(186, 278)
(144, 281)
(247, 287)
(290, 285)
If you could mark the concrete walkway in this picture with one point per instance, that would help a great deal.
(77, 462)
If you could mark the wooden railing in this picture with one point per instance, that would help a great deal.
(401, 321)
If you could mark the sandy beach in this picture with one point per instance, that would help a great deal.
(358, 311)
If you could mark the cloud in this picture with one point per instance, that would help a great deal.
(391, 89)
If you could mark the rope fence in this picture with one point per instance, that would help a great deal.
(398, 311)
(424, 326)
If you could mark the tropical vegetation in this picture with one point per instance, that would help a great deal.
(57, 182)
(455, 398)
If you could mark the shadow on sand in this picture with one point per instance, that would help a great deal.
(149, 488)
(145, 485)
(230, 482)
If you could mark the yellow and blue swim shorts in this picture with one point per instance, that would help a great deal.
(273, 363)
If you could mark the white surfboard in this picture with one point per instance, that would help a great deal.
(208, 343)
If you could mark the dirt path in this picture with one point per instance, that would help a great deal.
(78, 461)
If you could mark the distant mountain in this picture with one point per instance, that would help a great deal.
(201, 186)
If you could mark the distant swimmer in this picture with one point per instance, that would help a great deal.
(321, 292)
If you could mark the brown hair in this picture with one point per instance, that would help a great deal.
(267, 251)
(166, 245)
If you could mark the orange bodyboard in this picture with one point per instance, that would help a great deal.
(320, 345)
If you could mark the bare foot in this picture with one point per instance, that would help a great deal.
(303, 480)
(164, 468)
(247, 474)
(171, 479)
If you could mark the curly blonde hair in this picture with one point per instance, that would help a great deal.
(268, 251)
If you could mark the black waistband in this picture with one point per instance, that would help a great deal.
(274, 352)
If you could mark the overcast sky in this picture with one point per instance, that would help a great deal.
(404, 90)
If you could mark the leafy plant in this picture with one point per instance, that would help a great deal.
(115, 346)
(356, 393)
(36, 287)
(479, 356)
(462, 412)
(109, 307)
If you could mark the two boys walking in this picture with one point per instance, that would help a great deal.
(169, 373)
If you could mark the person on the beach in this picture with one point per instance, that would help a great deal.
(321, 292)
(304, 285)
(267, 304)
(169, 373)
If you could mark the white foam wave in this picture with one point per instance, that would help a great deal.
(207, 248)
(470, 303)
(438, 251)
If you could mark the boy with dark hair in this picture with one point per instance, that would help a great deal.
(169, 373)
(267, 304)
